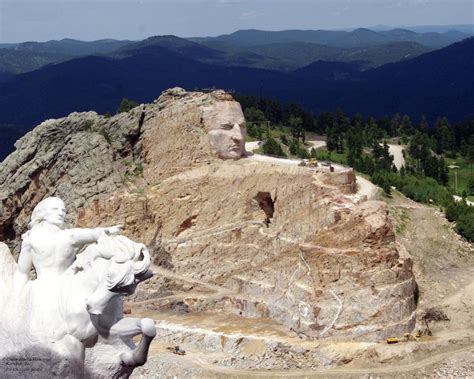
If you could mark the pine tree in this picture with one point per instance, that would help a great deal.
(443, 176)
(126, 105)
(354, 141)
(444, 136)
(423, 127)
(469, 152)
(394, 124)
(406, 127)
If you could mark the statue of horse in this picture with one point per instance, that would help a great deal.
(79, 313)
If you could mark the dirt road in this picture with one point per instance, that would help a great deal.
(388, 371)
(459, 198)
(396, 151)
(365, 187)
(278, 161)
(252, 146)
(315, 144)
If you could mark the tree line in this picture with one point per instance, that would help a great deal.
(363, 144)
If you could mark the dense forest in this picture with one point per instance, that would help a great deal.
(439, 157)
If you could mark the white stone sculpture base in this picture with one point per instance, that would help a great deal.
(69, 322)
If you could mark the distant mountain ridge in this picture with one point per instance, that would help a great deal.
(463, 28)
(361, 37)
(438, 83)
(285, 50)
(290, 56)
(28, 56)
(68, 46)
(99, 82)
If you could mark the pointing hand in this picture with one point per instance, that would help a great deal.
(113, 230)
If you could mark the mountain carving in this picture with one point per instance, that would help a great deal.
(286, 243)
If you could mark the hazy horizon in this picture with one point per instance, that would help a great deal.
(44, 20)
(385, 27)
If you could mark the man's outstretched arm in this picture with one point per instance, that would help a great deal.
(82, 236)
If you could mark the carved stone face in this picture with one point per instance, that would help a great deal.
(54, 211)
(225, 124)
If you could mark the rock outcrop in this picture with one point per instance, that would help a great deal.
(263, 240)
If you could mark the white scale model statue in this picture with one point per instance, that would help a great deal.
(68, 322)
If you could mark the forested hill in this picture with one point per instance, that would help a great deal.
(28, 56)
(435, 84)
(285, 50)
(360, 37)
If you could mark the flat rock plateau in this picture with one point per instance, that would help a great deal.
(261, 268)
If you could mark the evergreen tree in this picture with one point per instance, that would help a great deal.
(444, 136)
(406, 127)
(324, 121)
(443, 175)
(468, 152)
(253, 114)
(297, 131)
(423, 127)
(418, 149)
(341, 124)
(332, 139)
(354, 141)
(357, 120)
(430, 167)
(126, 105)
(254, 118)
(402, 171)
(394, 124)
(272, 147)
(470, 186)
(384, 124)
(386, 161)
(372, 132)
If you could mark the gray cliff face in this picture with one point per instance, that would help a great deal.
(78, 158)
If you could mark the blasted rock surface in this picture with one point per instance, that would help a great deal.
(282, 242)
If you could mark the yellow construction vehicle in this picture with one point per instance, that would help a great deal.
(424, 332)
(410, 337)
(313, 162)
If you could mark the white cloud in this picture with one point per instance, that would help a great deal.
(339, 12)
(405, 3)
(248, 15)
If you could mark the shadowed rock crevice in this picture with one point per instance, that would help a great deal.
(7, 232)
(186, 224)
(265, 202)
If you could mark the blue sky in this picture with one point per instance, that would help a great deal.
(41, 20)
